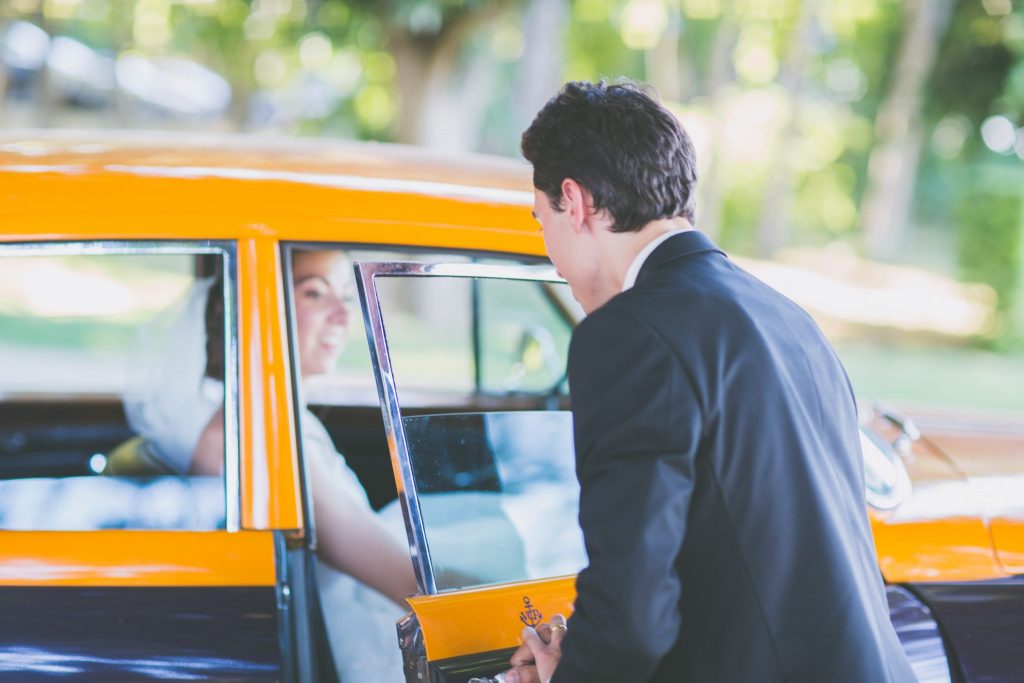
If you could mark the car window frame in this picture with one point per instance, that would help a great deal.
(366, 274)
(228, 251)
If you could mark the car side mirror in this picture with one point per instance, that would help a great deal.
(536, 353)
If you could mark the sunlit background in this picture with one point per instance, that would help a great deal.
(866, 158)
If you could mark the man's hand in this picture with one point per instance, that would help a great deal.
(536, 659)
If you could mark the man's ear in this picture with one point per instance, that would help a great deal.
(577, 203)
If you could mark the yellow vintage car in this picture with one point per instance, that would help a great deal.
(118, 564)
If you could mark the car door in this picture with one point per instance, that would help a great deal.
(115, 562)
(487, 488)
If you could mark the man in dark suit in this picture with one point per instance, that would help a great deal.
(721, 480)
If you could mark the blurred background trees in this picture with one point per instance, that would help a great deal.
(854, 138)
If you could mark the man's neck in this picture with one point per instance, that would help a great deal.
(623, 248)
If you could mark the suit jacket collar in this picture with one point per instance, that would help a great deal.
(676, 247)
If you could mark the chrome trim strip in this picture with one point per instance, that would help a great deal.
(228, 251)
(332, 180)
(232, 406)
(376, 335)
(400, 461)
(286, 252)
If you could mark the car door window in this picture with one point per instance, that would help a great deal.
(489, 490)
(92, 338)
(525, 336)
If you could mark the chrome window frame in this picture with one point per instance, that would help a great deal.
(229, 251)
(380, 358)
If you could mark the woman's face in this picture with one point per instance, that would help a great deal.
(324, 299)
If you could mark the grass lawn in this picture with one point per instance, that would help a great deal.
(954, 378)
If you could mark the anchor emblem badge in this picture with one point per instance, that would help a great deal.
(530, 616)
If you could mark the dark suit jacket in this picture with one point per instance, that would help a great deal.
(722, 489)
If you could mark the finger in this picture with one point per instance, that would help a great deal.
(544, 631)
(558, 630)
(525, 674)
(533, 641)
(521, 657)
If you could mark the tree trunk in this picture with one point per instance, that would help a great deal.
(46, 103)
(711, 187)
(774, 228)
(541, 67)
(438, 105)
(892, 166)
(413, 57)
(451, 118)
(662, 64)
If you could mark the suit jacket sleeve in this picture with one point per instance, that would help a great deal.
(637, 423)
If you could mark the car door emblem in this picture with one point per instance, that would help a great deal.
(530, 616)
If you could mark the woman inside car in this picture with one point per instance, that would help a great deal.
(364, 573)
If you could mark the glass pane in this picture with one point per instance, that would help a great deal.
(105, 372)
(70, 323)
(498, 495)
(429, 335)
(525, 340)
(349, 380)
(495, 480)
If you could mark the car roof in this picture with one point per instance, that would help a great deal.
(104, 185)
(96, 152)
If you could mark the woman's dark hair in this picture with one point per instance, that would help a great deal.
(213, 317)
(618, 142)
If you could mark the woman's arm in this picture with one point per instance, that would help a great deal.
(208, 457)
(353, 539)
(350, 536)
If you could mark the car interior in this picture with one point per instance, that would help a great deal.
(70, 435)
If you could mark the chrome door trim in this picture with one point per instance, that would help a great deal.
(380, 357)
(227, 249)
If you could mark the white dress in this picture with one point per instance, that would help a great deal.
(171, 414)
(360, 621)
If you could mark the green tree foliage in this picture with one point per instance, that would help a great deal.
(990, 220)
(783, 97)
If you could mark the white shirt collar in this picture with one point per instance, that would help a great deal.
(638, 262)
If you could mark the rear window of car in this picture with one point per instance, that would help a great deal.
(88, 385)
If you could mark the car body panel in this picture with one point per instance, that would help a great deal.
(920, 635)
(107, 151)
(486, 619)
(181, 192)
(990, 453)
(1008, 537)
(984, 624)
(271, 496)
(136, 558)
(131, 605)
(139, 633)
(941, 533)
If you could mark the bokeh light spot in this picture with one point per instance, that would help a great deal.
(951, 133)
(998, 134)
(375, 107)
(271, 68)
(755, 61)
(702, 9)
(315, 50)
(643, 22)
(507, 42)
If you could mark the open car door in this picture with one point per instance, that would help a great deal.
(488, 489)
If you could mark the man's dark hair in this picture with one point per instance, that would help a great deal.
(618, 142)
